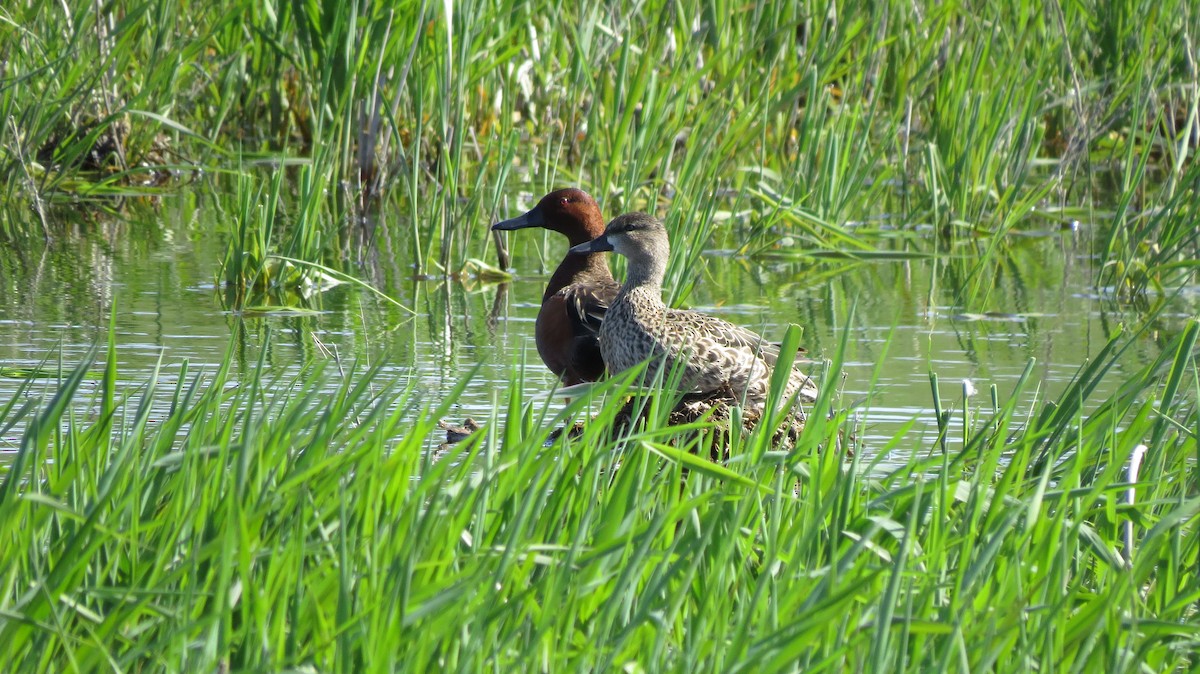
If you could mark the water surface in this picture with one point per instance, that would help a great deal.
(911, 317)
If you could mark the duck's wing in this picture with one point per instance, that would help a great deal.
(722, 353)
(587, 303)
(700, 328)
(567, 331)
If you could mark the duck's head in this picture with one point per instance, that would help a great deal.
(571, 212)
(635, 235)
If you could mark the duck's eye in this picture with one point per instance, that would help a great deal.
(563, 201)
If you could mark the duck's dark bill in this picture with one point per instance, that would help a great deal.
(599, 244)
(531, 219)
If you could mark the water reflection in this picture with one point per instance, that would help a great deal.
(911, 317)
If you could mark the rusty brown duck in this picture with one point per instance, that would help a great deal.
(579, 291)
(716, 355)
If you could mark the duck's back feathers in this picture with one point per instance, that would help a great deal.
(588, 303)
(720, 355)
(697, 327)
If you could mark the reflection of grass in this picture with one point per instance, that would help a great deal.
(38, 373)
(799, 119)
(311, 528)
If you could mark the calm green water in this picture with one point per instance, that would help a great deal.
(911, 318)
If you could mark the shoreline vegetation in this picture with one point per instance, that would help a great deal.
(315, 531)
(790, 128)
(267, 525)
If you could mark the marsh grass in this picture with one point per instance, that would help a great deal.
(809, 116)
(277, 524)
(264, 523)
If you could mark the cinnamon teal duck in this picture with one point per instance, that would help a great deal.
(579, 292)
(717, 356)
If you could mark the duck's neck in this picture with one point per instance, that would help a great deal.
(645, 274)
(589, 226)
(576, 269)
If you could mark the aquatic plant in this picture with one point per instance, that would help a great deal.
(782, 122)
(231, 530)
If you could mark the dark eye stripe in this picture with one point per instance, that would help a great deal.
(631, 225)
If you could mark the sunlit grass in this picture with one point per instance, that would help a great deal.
(258, 524)
(963, 118)
(313, 528)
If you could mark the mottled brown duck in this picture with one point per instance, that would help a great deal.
(717, 357)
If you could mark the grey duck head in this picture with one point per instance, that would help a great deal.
(639, 237)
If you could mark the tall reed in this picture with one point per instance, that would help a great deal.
(277, 524)
(800, 118)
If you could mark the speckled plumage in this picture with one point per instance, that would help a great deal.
(717, 356)
(579, 291)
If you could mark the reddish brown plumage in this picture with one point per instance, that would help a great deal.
(579, 291)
